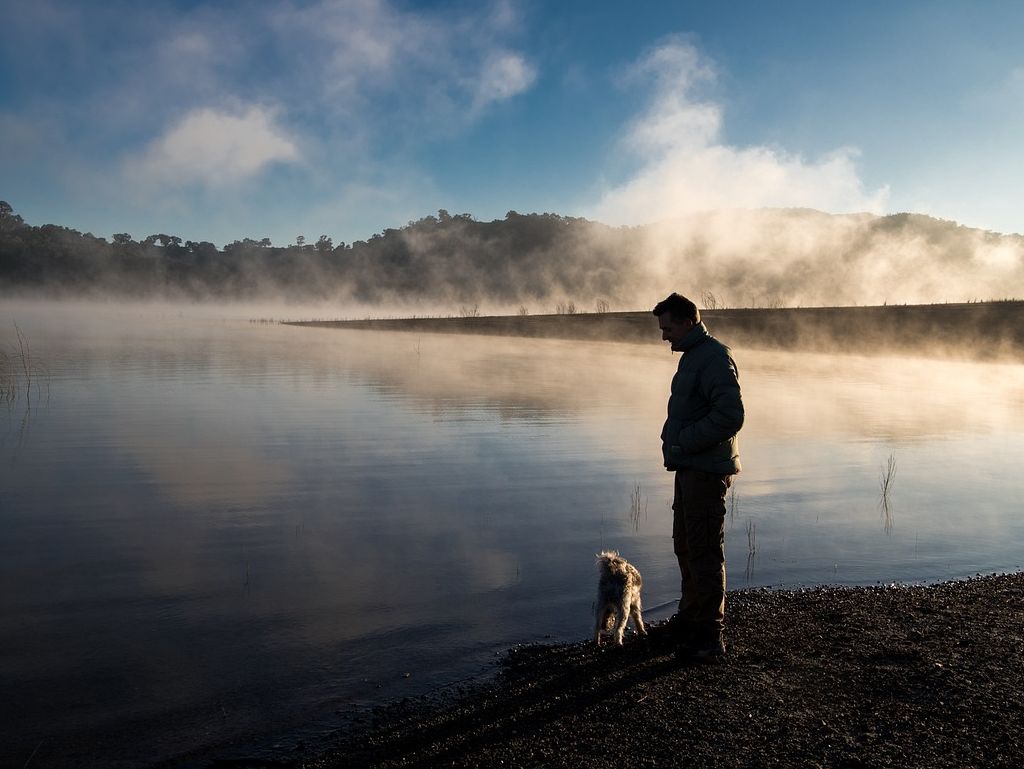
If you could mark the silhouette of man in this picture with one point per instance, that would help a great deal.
(705, 412)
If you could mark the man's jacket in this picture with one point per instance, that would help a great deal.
(705, 410)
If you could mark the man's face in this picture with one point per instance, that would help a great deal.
(673, 330)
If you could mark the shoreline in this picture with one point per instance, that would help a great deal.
(885, 676)
(975, 330)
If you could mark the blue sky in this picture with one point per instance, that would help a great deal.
(218, 121)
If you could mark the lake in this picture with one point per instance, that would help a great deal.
(217, 530)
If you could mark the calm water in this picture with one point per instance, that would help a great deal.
(213, 530)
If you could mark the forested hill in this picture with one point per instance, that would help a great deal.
(773, 257)
(443, 258)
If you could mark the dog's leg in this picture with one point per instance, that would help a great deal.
(620, 623)
(601, 615)
(638, 620)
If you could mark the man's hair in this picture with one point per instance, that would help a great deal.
(679, 307)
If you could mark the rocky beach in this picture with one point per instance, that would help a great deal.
(884, 676)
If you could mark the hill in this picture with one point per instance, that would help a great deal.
(757, 258)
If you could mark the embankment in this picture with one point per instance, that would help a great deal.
(979, 330)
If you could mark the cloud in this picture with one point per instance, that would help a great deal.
(504, 75)
(683, 164)
(376, 62)
(354, 47)
(363, 82)
(214, 148)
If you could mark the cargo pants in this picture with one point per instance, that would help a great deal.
(698, 535)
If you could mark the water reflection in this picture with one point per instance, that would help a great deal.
(228, 524)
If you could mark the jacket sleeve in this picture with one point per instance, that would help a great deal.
(719, 385)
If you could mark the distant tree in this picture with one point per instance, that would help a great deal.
(204, 248)
(324, 244)
(121, 239)
(300, 240)
(8, 219)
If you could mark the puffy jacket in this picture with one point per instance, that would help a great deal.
(705, 409)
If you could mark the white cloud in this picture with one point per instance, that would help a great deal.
(214, 148)
(684, 165)
(356, 45)
(378, 65)
(504, 75)
(362, 83)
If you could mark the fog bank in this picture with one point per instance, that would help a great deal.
(538, 263)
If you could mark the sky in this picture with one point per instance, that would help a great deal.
(220, 121)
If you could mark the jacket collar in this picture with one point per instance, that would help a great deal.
(694, 337)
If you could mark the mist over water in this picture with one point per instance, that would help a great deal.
(212, 525)
(764, 257)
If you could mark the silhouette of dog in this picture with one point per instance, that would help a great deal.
(618, 597)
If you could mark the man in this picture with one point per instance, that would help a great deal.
(705, 411)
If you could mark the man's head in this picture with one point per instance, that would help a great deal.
(676, 316)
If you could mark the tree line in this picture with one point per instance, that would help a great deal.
(756, 258)
(437, 258)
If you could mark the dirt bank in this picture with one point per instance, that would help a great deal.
(979, 330)
(922, 676)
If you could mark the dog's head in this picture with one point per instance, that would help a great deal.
(611, 564)
(606, 558)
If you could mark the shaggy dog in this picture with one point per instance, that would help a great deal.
(618, 597)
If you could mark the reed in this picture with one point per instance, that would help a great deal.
(751, 537)
(637, 506)
(20, 370)
(8, 378)
(748, 573)
(887, 476)
(25, 356)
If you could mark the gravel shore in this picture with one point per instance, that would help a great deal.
(893, 676)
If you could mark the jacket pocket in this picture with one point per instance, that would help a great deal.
(670, 450)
